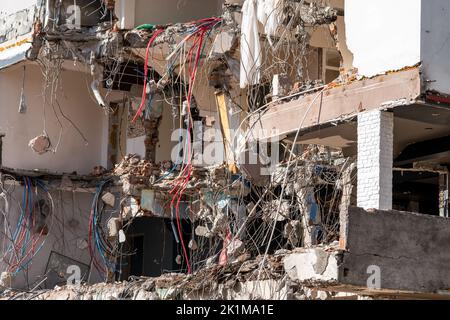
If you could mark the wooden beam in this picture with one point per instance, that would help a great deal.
(226, 133)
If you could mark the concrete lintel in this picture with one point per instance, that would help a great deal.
(341, 102)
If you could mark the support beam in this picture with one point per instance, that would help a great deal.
(375, 159)
(226, 131)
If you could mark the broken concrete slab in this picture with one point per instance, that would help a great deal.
(313, 265)
(411, 251)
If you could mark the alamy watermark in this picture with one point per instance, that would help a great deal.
(374, 280)
(74, 275)
(208, 148)
(73, 20)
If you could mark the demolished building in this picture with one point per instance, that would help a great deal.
(280, 149)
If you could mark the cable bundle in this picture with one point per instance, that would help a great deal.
(197, 33)
(31, 227)
(186, 172)
(98, 240)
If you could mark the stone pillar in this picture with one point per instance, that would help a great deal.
(375, 159)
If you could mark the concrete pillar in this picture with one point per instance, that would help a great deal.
(125, 11)
(443, 194)
(375, 159)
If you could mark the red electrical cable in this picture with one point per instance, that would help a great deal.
(144, 93)
(186, 172)
(33, 246)
(180, 189)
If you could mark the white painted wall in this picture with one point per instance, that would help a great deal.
(9, 6)
(383, 35)
(77, 104)
(436, 44)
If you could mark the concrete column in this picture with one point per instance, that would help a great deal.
(375, 159)
(443, 194)
(125, 11)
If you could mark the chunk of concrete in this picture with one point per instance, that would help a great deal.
(109, 199)
(223, 43)
(312, 265)
(193, 245)
(6, 280)
(114, 226)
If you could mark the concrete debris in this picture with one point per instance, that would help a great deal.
(114, 225)
(235, 249)
(277, 210)
(203, 231)
(109, 199)
(193, 245)
(133, 165)
(281, 86)
(5, 280)
(223, 44)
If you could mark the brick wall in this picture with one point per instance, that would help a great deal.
(375, 157)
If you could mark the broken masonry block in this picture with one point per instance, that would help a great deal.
(223, 43)
(114, 225)
(203, 231)
(193, 245)
(281, 85)
(6, 280)
(109, 199)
